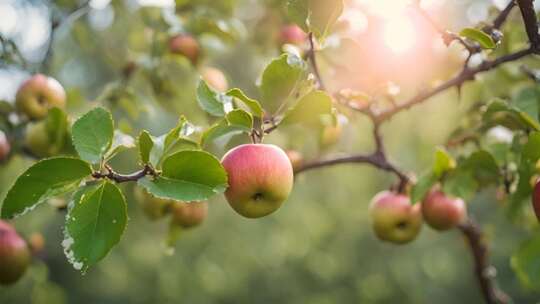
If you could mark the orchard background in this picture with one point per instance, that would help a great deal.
(375, 95)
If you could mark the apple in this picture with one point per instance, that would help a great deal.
(37, 140)
(296, 158)
(185, 45)
(38, 94)
(330, 135)
(442, 212)
(215, 79)
(5, 147)
(188, 215)
(394, 219)
(153, 207)
(292, 34)
(260, 179)
(14, 255)
(36, 242)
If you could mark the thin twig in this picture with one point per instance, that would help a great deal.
(484, 271)
(120, 178)
(531, 22)
(313, 60)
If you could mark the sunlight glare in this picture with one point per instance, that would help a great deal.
(399, 34)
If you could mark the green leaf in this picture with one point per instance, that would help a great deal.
(421, 188)
(241, 119)
(252, 104)
(485, 41)
(527, 100)
(45, 179)
(220, 129)
(57, 125)
(501, 113)
(121, 142)
(188, 176)
(94, 224)
(443, 162)
(145, 143)
(164, 144)
(309, 108)
(484, 166)
(323, 15)
(298, 11)
(211, 101)
(526, 262)
(93, 134)
(530, 154)
(280, 79)
(460, 183)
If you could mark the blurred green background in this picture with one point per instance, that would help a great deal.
(319, 247)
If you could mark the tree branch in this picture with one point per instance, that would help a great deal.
(503, 15)
(313, 60)
(531, 23)
(120, 178)
(484, 271)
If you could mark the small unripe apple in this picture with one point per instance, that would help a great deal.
(292, 34)
(260, 179)
(536, 200)
(188, 215)
(153, 207)
(37, 140)
(38, 94)
(394, 219)
(296, 158)
(185, 45)
(215, 79)
(330, 135)
(5, 147)
(442, 212)
(14, 256)
(36, 242)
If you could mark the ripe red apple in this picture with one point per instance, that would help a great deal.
(38, 94)
(442, 212)
(188, 215)
(536, 200)
(394, 219)
(5, 147)
(260, 179)
(14, 255)
(153, 207)
(215, 79)
(292, 34)
(185, 45)
(296, 158)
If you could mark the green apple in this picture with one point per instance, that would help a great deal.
(38, 94)
(185, 45)
(260, 179)
(14, 255)
(442, 212)
(188, 215)
(37, 140)
(153, 207)
(394, 219)
(5, 147)
(330, 135)
(215, 78)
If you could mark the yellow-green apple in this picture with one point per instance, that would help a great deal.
(330, 135)
(37, 140)
(536, 200)
(188, 215)
(394, 218)
(296, 158)
(185, 45)
(5, 147)
(153, 207)
(215, 79)
(260, 179)
(14, 255)
(442, 212)
(292, 34)
(38, 94)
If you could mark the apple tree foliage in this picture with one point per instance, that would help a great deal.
(178, 165)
